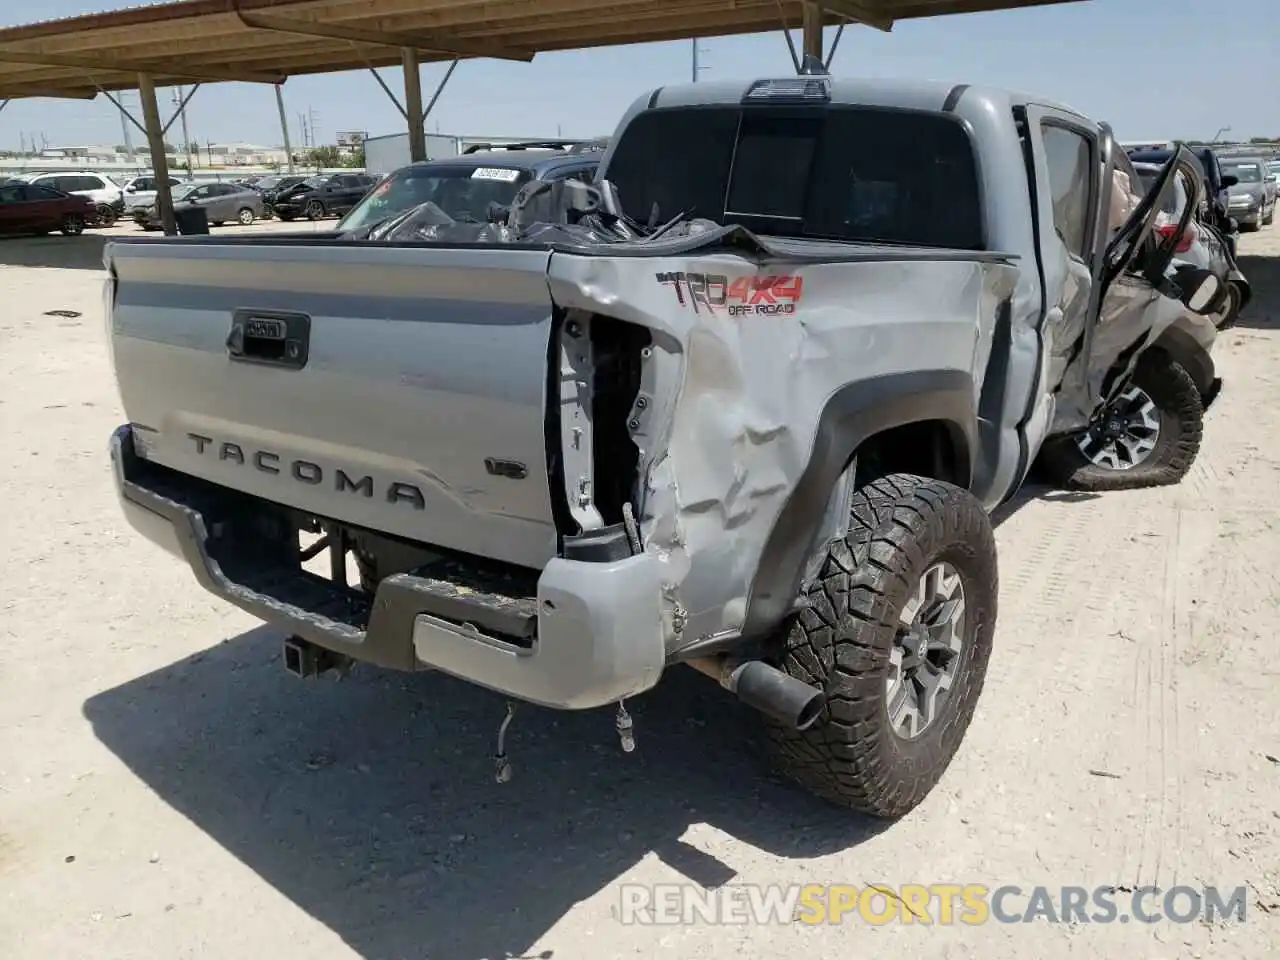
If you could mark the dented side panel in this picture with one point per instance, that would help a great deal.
(746, 355)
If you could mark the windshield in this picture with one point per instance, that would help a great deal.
(180, 193)
(1244, 172)
(839, 173)
(463, 192)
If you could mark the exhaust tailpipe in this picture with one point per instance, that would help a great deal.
(765, 688)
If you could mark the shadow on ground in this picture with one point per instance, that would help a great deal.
(1263, 311)
(1035, 490)
(68, 253)
(370, 802)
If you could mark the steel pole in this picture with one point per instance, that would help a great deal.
(284, 125)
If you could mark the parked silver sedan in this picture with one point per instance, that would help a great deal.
(222, 203)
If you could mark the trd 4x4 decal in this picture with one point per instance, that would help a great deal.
(741, 296)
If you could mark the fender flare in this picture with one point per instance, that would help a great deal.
(1188, 353)
(853, 414)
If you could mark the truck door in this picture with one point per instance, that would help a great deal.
(1066, 156)
(1086, 266)
(1134, 298)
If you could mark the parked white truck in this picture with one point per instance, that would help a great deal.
(761, 437)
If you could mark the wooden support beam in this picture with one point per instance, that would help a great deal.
(153, 68)
(856, 11)
(441, 43)
(159, 159)
(812, 24)
(413, 105)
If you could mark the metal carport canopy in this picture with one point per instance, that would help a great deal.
(217, 40)
(267, 41)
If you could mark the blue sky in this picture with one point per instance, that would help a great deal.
(1153, 68)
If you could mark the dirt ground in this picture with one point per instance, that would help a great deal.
(168, 791)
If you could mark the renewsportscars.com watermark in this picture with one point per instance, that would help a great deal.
(944, 904)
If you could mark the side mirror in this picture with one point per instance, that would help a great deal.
(1230, 180)
(1202, 291)
(1233, 225)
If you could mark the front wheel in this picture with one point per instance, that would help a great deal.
(897, 633)
(1147, 437)
(245, 217)
(72, 225)
(315, 210)
(1235, 303)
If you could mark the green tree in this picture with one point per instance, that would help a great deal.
(324, 157)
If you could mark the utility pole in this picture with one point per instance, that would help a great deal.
(179, 98)
(124, 127)
(284, 125)
(698, 65)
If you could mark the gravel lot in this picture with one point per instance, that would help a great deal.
(168, 791)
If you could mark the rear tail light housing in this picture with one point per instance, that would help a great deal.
(1186, 241)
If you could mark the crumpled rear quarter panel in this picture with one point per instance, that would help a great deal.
(740, 397)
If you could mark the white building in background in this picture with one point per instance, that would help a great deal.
(238, 155)
(85, 155)
(351, 141)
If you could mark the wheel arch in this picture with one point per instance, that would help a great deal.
(1179, 346)
(922, 421)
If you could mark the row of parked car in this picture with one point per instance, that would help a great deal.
(71, 202)
(244, 201)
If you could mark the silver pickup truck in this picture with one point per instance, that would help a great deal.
(765, 447)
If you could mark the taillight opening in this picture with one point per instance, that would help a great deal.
(1186, 241)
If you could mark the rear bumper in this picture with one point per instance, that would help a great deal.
(599, 633)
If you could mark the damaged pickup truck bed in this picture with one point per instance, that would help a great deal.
(761, 439)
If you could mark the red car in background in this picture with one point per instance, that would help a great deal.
(31, 208)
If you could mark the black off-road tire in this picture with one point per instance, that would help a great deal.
(1181, 410)
(842, 642)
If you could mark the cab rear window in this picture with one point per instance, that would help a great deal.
(837, 173)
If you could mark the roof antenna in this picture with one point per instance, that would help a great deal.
(813, 67)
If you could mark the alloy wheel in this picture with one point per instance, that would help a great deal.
(927, 651)
(1126, 433)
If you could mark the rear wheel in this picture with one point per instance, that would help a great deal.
(245, 216)
(1148, 437)
(897, 633)
(72, 225)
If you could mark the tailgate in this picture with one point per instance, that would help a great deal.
(400, 389)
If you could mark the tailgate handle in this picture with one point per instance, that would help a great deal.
(270, 337)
